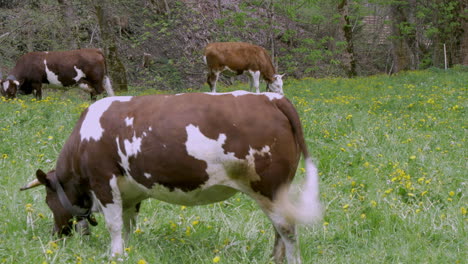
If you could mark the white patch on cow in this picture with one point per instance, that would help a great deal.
(79, 74)
(51, 76)
(271, 96)
(6, 85)
(147, 175)
(16, 82)
(150, 129)
(219, 162)
(252, 152)
(204, 60)
(85, 87)
(129, 121)
(132, 147)
(234, 93)
(91, 127)
(114, 218)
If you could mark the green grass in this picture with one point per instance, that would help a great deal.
(392, 158)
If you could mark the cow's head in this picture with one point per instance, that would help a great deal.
(9, 87)
(63, 203)
(277, 85)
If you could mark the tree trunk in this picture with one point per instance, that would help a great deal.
(68, 16)
(350, 58)
(400, 50)
(464, 41)
(115, 66)
(271, 14)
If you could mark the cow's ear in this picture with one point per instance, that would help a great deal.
(42, 177)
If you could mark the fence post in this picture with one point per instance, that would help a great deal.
(445, 57)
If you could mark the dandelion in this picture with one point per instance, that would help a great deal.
(363, 216)
(183, 207)
(196, 222)
(29, 208)
(49, 252)
(463, 210)
(373, 203)
(142, 261)
(451, 193)
(346, 206)
(216, 259)
(4, 156)
(138, 231)
(412, 157)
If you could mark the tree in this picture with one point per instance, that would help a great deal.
(114, 63)
(68, 17)
(350, 59)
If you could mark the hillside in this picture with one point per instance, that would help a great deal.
(160, 42)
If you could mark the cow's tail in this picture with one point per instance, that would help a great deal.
(106, 83)
(307, 209)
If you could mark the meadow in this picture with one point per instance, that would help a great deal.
(391, 152)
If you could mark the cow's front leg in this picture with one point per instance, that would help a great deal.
(110, 202)
(255, 80)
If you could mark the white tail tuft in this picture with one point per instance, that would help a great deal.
(107, 86)
(308, 209)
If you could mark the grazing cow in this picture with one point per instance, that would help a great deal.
(85, 68)
(187, 149)
(239, 57)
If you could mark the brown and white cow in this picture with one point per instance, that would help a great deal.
(187, 149)
(240, 57)
(85, 68)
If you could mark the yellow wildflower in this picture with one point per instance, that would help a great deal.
(216, 259)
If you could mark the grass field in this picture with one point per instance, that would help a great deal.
(392, 158)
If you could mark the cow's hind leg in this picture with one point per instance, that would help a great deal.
(285, 233)
(87, 87)
(37, 90)
(212, 78)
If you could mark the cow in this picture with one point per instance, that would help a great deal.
(240, 57)
(186, 149)
(85, 68)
